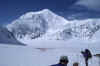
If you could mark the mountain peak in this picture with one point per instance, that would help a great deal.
(45, 24)
(30, 14)
(33, 25)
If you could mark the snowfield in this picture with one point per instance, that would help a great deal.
(45, 53)
(47, 36)
(47, 25)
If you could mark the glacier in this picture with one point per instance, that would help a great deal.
(47, 25)
(36, 24)
(46, 53)
(48, 36)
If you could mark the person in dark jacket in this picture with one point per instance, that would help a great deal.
(76, 64)
(87, 55)
(62, 62)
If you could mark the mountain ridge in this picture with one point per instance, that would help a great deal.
(8, 37)
(47, 25)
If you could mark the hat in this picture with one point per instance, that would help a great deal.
(64, 58)
(76, 64)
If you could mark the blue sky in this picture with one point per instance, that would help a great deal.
(12, 9)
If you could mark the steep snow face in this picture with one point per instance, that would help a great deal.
(35, 24)
(96, 37)
(84, 29)
(7, 37)
(78, 29)
(47, 25)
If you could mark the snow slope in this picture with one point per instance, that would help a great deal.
(96, 37)
(85, 29)
(7, 37)
(47, 53)
(46, 25)
(44, 32)
(35, 24)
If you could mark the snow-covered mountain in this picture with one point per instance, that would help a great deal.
(49, 26)
(80, 29)
(36, 24)
(7, 37)
(84, 29)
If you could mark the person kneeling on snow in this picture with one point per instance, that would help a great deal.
(62, 62)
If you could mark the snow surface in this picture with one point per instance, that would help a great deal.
(46, 25)
(7, 37)
(48, 52)
(49, 36)
(45, 53)
(37, 24)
